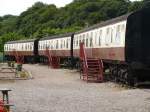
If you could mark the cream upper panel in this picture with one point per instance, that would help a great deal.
(108, 36)
(55, 44)
(19, 46)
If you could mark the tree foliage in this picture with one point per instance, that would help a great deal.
(42, 19)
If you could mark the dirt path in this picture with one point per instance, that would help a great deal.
(61, 90)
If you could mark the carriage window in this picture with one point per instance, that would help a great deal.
(67, 44)
(91, 34)
(76, 41)
(39, 46)
(61, 42)
(100, 36)
(83, 38)
(30, 46)
(57, 44)
(95, 37)
(91, 39)
(118, 35)
(43, 45)
(122, 28)
(80, 39)
(25, 46)
(87, 36)
(111, 35)
(86, 42)
(51, 47)
(22, 47)
(64, 44)
(118, 28)
(108, 36)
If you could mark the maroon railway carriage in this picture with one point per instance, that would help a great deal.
(104, 41)
(25, 49)
(122, 43)
(58, 46)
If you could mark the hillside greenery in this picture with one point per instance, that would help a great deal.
(46, 19)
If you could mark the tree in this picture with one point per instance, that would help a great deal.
(11, 36)
(135, 6)
(46, 19)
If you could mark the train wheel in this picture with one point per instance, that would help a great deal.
(130, 79)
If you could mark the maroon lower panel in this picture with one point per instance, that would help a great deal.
(24, 53)
(117, 53)
(61, 53)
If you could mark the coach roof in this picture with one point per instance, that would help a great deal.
(57, 36)
(20, 41)
(105, 23)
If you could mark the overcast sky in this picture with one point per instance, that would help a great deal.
(15, 7)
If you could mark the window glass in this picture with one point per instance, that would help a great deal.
(122, 28)
(91, 39)
(108, 36)
(67, 44)
(64, 43)
(77, 41)
(118, 35)
(95, 37)
(61, 43)
(56, 44)
(111, 35)
(100, 36)
(30, 46)
(83, 38)
(87, 43)
(22, 47)
(74, 42)
(26, 47)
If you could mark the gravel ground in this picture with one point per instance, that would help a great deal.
(61, 90)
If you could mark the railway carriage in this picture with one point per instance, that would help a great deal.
(104, 41)
(123, 45)
(28, 49)
(58, 46)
